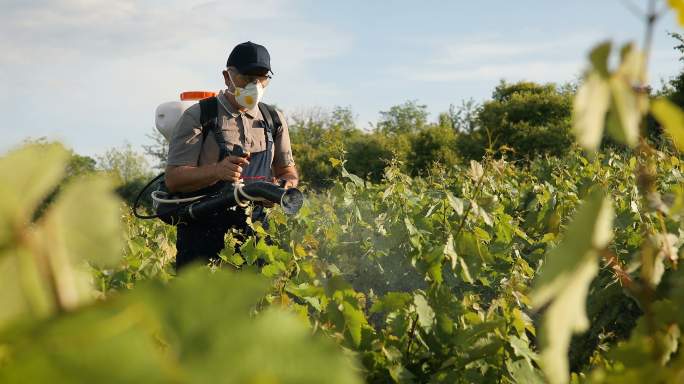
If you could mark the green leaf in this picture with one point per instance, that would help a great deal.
(392, 301)
(522, 349)
(678, 7)
(450, 252)
(476, 170)
(85, 219)
(478, 332)
(465, 271)
(82, 225)
(354, 320)
(671, 117)
(22, 289)
(426, 315)
(523, 373)
(414, 234)
(355, 179)
(599, 58)
(455, 202)
(627, 106)
(253, 250)
(400, 374)
(481, 234)
(564, 280)
(198, 329)
(626, 109)
(29, 175)
(433, 260)
(589, 111)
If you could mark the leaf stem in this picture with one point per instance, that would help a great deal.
(411, 336)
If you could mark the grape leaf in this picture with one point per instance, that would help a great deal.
(29, 175)
(678, 7)
(564, 280)
(589, 111)
(672, 119)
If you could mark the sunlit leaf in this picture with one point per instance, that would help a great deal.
(198, 329)
(86, 220)
(564, 280)
(450, 252)
(522, 348)
(671, 117)
(392, 301)
(426, 315)
(589, 111)
(678, 7)
(355, 179)
(523, 373)
(627, 105)
(29, 175)
(626, 109)
(476, 170)
(354, 320)
(599, 58)
(455, 202)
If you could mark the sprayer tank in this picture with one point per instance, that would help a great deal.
(167, 114)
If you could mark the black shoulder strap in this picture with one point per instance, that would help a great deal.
(208, 109)
(209, 122)
(271, 117)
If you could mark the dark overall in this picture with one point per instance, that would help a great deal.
(202, 241)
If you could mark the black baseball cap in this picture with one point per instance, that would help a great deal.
(250, 59)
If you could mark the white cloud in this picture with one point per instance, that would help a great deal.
(490, 58)
(532, 70)
(92, 72)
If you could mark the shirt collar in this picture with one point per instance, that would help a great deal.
(230, 109)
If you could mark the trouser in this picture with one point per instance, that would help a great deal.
(203, 241)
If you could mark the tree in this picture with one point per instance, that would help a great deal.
(317, 137)
(158, 150)
(462, 118)
(125, 163)
(368, 154)
(526, 118)
(79, 165)
(674, 89)
(434, 144)
(409, 117)
(130, 167)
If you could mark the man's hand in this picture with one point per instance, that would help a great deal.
(230, 168)
(287, 173)
(287, 183)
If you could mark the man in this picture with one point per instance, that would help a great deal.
(193, 159)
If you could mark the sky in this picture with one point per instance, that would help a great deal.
(90, 73)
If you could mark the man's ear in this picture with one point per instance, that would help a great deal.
(226, 78)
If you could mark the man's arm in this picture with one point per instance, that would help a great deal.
(288, 173)
(283, 163)
(183, 174)
(186, 178)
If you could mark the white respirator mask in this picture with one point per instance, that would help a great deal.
(249, 96)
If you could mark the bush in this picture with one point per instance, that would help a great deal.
(528, 118)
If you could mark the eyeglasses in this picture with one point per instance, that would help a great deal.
(263, 79)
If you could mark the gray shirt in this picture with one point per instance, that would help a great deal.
(246, 129)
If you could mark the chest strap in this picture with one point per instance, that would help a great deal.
(209, 122)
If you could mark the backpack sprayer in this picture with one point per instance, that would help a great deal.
(210, 201)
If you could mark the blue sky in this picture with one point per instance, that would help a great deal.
(91, 72)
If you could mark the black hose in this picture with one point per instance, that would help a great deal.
(290, 199)
(136, 202)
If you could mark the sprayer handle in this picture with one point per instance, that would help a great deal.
(238, 151)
